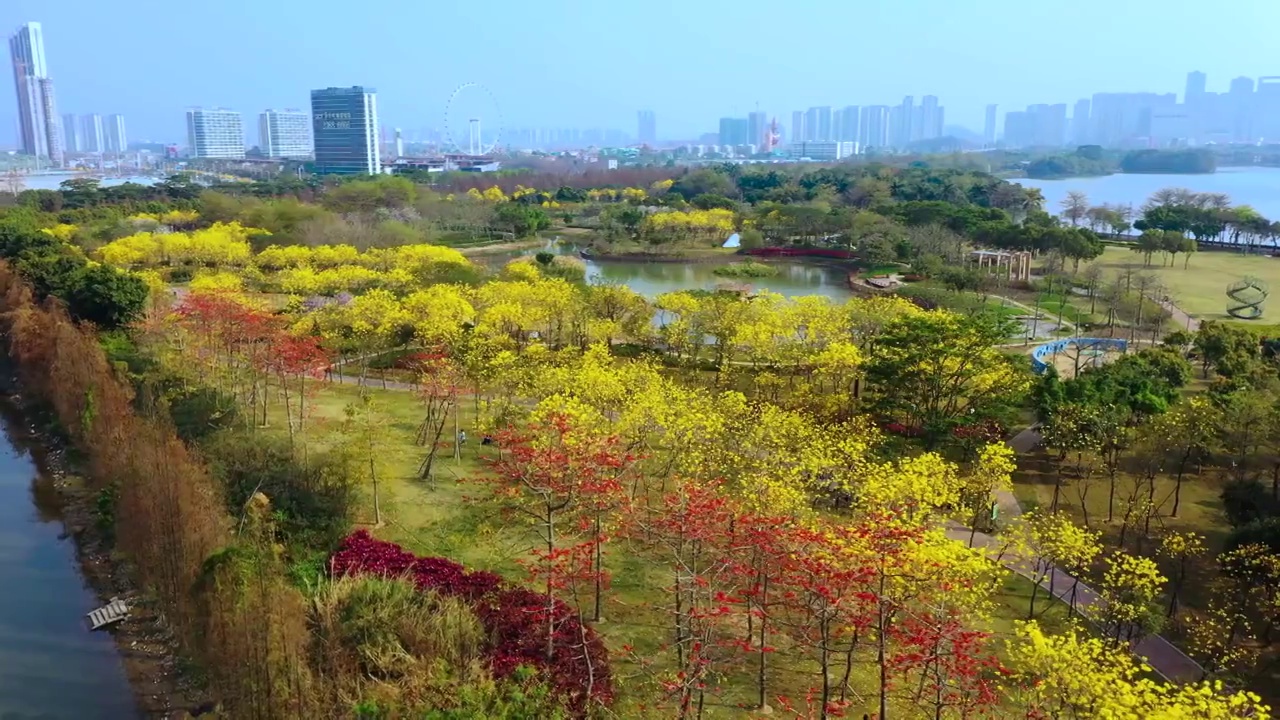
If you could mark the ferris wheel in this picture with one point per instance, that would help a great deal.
(472, 120)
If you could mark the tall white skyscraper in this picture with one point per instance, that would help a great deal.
(285, 133)
(215, 133)
(91, 135)
(344, 124)
(117, 141)
(39, 133)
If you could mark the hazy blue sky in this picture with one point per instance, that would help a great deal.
(595, 62)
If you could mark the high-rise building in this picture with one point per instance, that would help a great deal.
(215, 133)
(797, 126)
(345, 129)
(1019, 131)
(647, 132)
(399, 144)
(72, 141)
(1195, 87)
(117, 141)
(39, 133)
(757, 126)
(91, 133)
(904, 122)
(989, 126)
(847, 130)
(1081, 133)
(735, 131)
(825, 130)
(873, 127)
(284, 133)
(1240, 109)
(1266, 110)
(930, 119)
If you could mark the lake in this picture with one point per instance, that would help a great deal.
(51, 666)
(652, 279)
(1258, 187)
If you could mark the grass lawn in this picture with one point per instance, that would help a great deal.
(1200, 288)
(438, 518)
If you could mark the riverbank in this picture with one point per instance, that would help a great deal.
(146, 647)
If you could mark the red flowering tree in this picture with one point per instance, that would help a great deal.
(440, 382)
(955, 671)
(561, 476)
(296, 358)
(828, 604)
(695, 532)
(233, 341)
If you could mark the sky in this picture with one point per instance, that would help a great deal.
(594, 63)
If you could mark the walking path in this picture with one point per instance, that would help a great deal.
(1163, 656)
(1180, 316)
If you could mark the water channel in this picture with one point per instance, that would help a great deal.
(51, 666)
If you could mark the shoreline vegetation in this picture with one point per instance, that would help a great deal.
(1094, 161)
(749, 505)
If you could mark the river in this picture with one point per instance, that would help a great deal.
(1258, 187)
(51, 666)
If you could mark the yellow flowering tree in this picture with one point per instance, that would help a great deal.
(1130, 587)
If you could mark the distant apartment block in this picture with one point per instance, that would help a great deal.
(735, 131)
(117, 140)
(989, 126)
(215, 133)
(874, 127)
(71, 137)
(344, 126)
(91, 134)
(821, 150)
(285, 134)
(647, 127)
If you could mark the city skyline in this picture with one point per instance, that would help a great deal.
(965, 73)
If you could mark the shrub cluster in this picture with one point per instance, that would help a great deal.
(516, 620)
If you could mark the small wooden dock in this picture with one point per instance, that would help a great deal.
(112, 612)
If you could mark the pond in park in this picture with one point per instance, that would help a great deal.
(652, 279)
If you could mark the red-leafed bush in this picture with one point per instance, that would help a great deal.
(515, 619)
(800, 252)
(897, 428)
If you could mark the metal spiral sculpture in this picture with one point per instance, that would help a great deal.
(1247, 297)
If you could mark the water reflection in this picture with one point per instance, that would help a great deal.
(51, 666)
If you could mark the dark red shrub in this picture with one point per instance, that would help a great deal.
(515, 618)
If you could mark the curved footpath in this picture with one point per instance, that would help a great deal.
(1163, 656)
